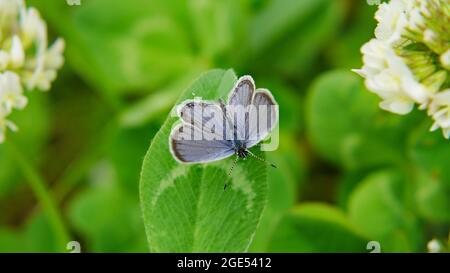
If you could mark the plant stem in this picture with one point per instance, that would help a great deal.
(43, 196)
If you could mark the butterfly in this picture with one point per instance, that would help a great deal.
(212, 130)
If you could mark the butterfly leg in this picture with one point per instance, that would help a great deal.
(230, 171)
(262, 159)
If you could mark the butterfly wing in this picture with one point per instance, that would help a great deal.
(242, 93)
(189, 144)
(200, 137)
(263, 118)
(206, 116)
(238, 103)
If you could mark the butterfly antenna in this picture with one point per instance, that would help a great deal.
(262, 159)
(230, 171)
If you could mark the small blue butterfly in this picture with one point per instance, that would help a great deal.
(209, 131)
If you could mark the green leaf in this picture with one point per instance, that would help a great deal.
(433, 199)
(145, 45)
(347, 183)
(314, 227)
(36, 236)
(287, 35)
(347, 127)
(11, 241)
(126, 153)
(344, 51)
(217, 26)
(292, 113)
(284, 183)
(185, 207)
(379, 207)
(431, 151)
(39, 235)
(123, 48)
(145, 42)
(109, 219)
(153, 105)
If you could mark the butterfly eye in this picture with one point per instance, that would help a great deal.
(190, 105)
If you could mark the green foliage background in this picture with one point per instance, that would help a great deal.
(349, 173)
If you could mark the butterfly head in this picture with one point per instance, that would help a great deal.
(242, 153)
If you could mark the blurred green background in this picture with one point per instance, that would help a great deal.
(349, 173)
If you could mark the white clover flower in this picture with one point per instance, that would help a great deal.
(439, 110)
(4, 60)
(26, 61)
(9, 8)
(17, 54)
(445, 59)
(11, 93)
(54, 55)
(434, 246)
(387, 76)
(408, 62)
(392, 20)
(46, 70)
(32, 26)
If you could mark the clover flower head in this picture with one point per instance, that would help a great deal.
(439, 109)
(26, 60)
(387, 76)
(391, 19)
(408, 61)
(11, 94)
(434, 246)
